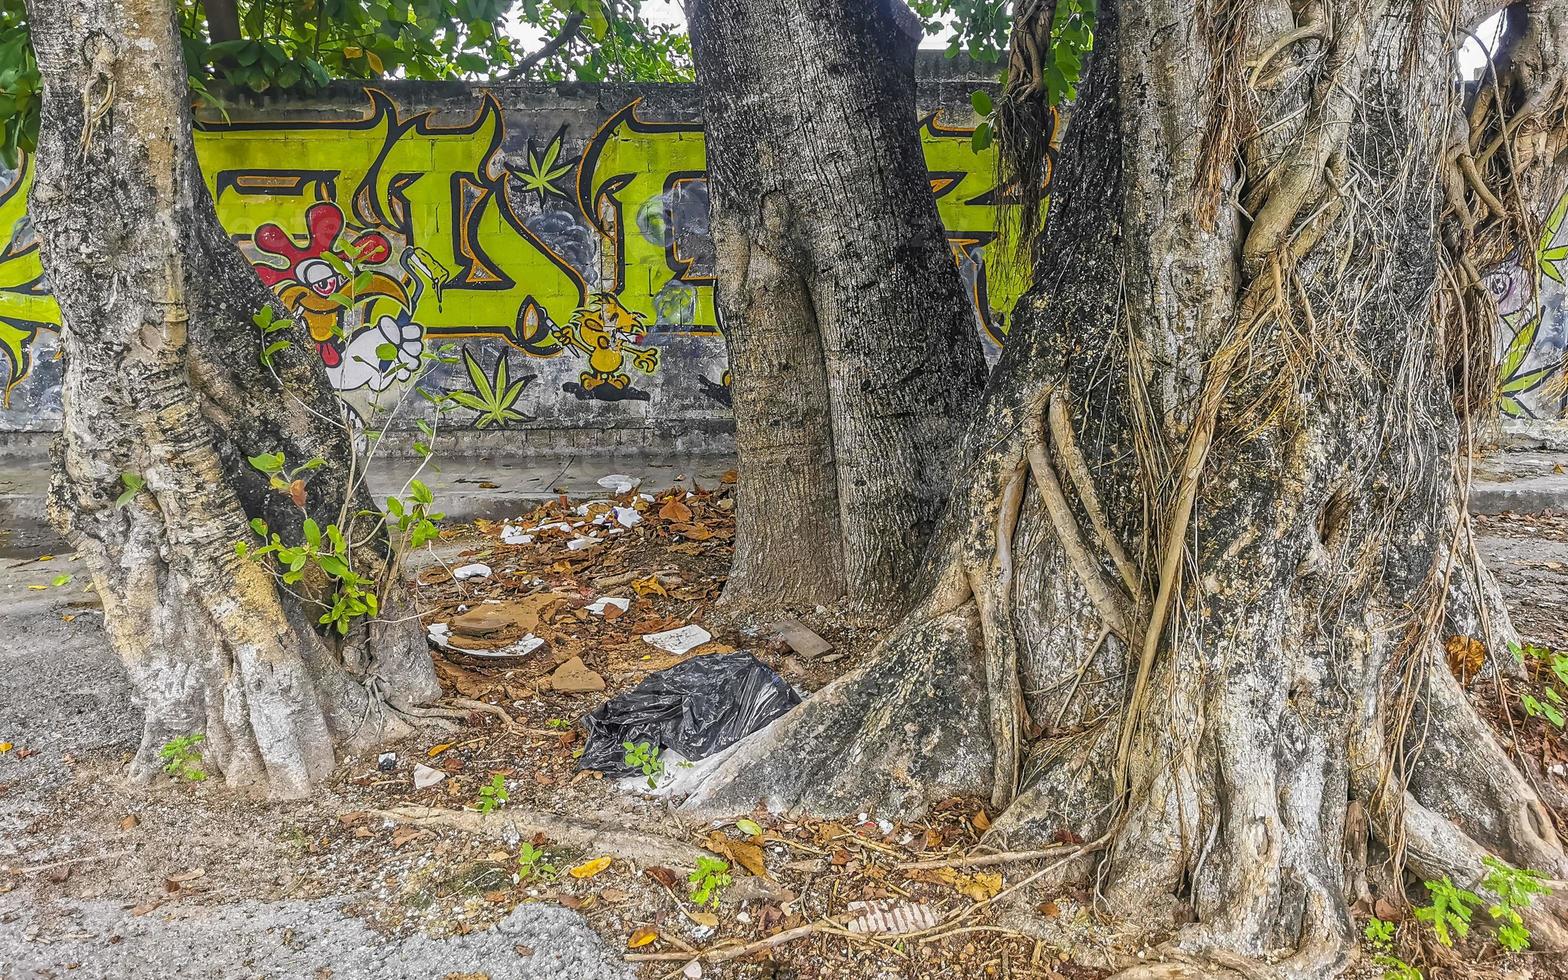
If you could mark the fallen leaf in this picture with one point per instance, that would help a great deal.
(705, 919)
(663, 876)
(130, 822)
(1049, 910)
(6, 746)
(674, 510)
(641, 937)
(614, 894)
(651, 585)
(748, 827)
(747, 855)
(297, 493)
(590, 868)
(981, 821)
(436, 750)
(979, 886)
(1466, 656)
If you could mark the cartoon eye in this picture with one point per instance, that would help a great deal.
(317, 275)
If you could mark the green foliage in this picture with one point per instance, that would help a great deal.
(1450, 911)
(711, 877)
(531, 862)
(644, 756)
(1380, 936)
(1516, 889)
(298, 46)
(413, 519)
(492, 795)
(559, 724)
(132, 483)
(492, 396)
(181, 758)
(1549, 669)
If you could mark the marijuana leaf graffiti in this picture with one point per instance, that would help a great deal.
(544, 169)
(492, 396)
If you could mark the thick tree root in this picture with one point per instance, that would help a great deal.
(590, 834)
(897, 734)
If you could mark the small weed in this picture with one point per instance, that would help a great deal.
(181, 758)
(559, 724)
(531, 863)
(1515, 889)
(711, 877)
(1550, 670)
(1380, 936)
(493, 796)
(645, 756)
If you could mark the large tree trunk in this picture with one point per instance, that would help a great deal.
(855, 358)
(1191, 608)
(163, 380)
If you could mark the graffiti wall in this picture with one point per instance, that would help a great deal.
(557, 235)
(1532, 307)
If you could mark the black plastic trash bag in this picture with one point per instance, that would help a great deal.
(698, 707)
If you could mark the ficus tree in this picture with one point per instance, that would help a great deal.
(205, 471)
(1187, 606)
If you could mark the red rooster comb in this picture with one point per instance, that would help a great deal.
(323, 221)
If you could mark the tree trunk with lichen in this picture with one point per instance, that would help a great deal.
(163, 381)
(855, 359)
(1191, 608)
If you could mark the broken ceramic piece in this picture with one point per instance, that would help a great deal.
(679, 640)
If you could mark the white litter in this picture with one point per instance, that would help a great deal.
(515, 535)
(679, 640)
(524, 646)
(554, 526)
(619, 482)
(578, 544)
(465, 572)
(889, 917)
(627, 516)
(440, 634)
(598, 606)
(426, 777)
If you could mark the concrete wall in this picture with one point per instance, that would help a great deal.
(1532, 309)
(556, 234)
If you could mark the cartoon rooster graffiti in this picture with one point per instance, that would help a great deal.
(605, 335)
(311, 287)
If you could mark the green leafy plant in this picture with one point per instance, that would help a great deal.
(1516, 889)
(492, 396)
(493, 795)
(413, 519)
(531, 863)
(709, 880)
(181, 758)
(559, 724)
(644, 756)
(352, 595)
(1450, 911)
(1380, 936)
(1549, 673)
(132, 483)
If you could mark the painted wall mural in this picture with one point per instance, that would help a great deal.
(1532, 308)
(561, 238)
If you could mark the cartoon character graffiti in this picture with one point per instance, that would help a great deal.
(605, 335)
(353, 318)
(1532, 315)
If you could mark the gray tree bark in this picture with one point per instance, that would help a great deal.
(855, 358)
(163, 380)
(1190, 607)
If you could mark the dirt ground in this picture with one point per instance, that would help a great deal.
(99, 878)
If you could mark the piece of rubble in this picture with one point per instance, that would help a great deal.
(426, 777)
(574, 677)
(800, 637)
(465, 572)
(598, 606)
(679, 640)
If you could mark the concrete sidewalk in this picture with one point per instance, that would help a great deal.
(465, 488)
(1531, 478)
